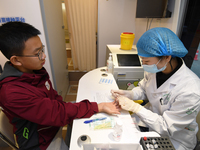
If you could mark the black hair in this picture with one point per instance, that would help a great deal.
(13, 36)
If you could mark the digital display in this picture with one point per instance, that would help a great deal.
(128, 60)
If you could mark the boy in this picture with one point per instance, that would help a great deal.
(26, 94)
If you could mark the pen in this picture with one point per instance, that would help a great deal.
(93, 120)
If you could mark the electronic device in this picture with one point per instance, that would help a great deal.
(127, 66)
(154, 8)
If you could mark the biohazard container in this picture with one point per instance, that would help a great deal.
(127, 39)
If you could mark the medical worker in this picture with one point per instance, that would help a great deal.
(172, 89)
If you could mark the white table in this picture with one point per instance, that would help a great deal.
(89, 86)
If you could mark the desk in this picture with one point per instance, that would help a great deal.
(88, 85)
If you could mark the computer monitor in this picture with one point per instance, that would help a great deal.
(154, 8)
(128, 60)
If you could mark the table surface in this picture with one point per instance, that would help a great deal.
(94, 87)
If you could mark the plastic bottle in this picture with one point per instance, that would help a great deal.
(110, 64)
(117, 133)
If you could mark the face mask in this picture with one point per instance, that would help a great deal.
(153, 68)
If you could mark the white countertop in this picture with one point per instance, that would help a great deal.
(89, 87)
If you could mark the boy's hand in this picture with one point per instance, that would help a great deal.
(109, 108)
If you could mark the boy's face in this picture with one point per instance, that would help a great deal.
(32, 47)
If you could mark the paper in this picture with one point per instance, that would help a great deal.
(102, 96)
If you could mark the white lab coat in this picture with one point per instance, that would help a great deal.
(173, 107)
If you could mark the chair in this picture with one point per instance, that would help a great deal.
(6, 131)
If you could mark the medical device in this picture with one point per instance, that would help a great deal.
(128, 68)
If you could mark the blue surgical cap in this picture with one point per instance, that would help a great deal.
(160, 42)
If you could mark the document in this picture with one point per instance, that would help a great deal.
(102, 96)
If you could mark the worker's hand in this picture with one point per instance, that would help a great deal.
(126, 93)
(128, 104)
(109, 107)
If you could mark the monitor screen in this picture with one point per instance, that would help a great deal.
(128, 60)
(153, 9)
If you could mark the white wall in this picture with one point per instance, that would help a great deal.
(2, 59)
(117, 16)
(30, 10)
(114, 17)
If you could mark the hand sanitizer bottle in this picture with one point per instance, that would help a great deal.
(110, 64)
(117, 134)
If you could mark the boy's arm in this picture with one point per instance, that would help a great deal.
(45, 111)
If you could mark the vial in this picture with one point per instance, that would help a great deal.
(117, 133)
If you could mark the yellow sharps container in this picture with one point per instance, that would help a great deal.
(127, 39)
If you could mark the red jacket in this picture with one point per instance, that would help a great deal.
(34, 107)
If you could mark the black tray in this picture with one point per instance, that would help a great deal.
(156, 143)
